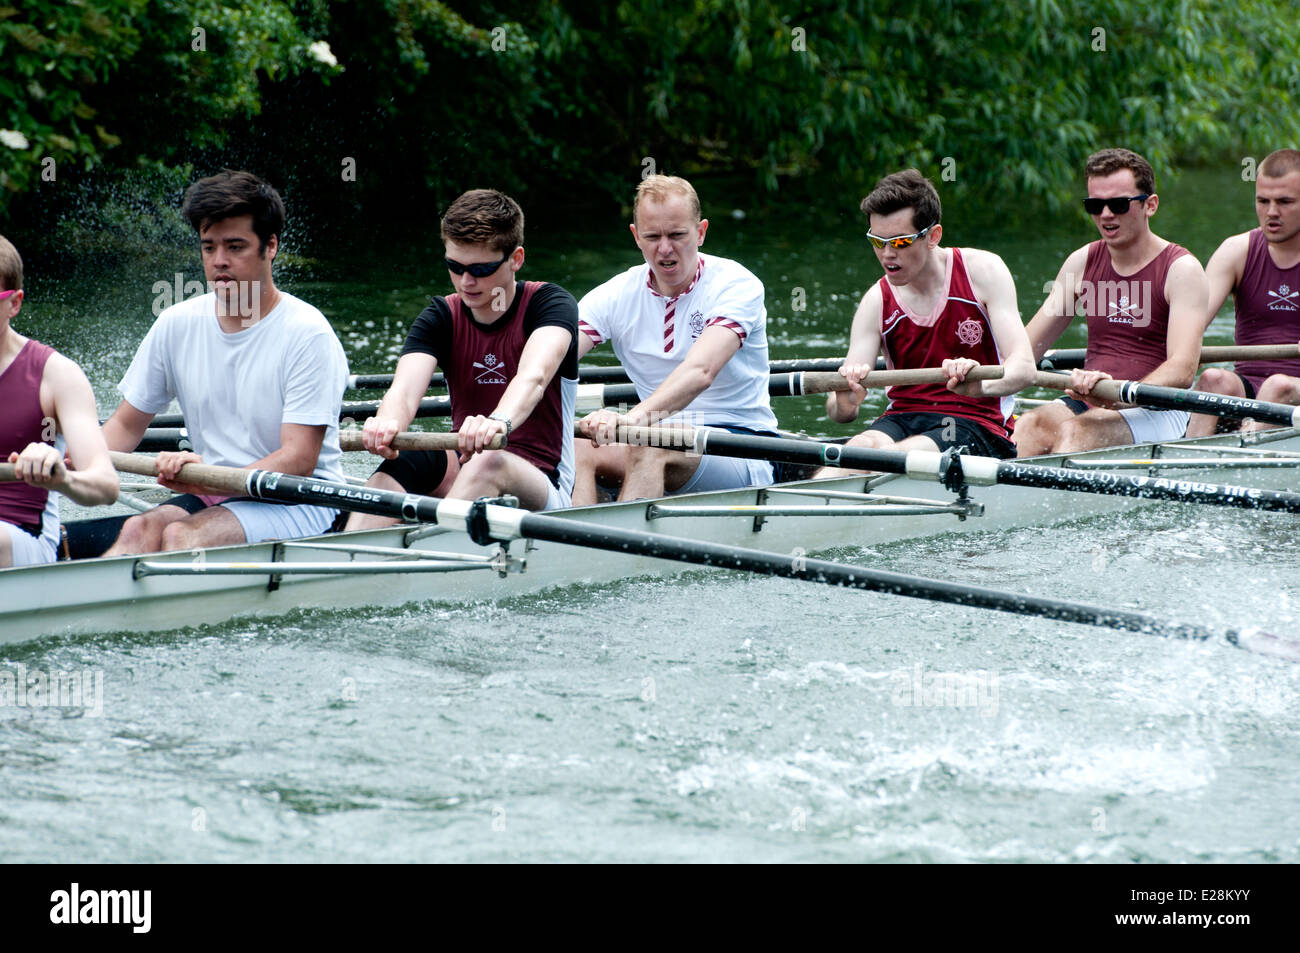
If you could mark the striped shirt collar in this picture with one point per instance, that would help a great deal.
(699, 270)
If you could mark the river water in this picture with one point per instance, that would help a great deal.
(709, 717)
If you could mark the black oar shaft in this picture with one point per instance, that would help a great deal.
(486, 522)
(1200, 402)
(612, 539)
(921, 464)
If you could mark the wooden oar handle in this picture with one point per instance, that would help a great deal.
(821, 382)
(7, 473)
(1251, 352)
(1104, 390)
(411, 440)
(231, 480)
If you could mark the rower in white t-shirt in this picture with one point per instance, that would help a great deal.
(258, 373)
(691, 332)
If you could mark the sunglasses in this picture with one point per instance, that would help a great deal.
(6, 294)
(899, 241)
(1118, 206)
(479, 269)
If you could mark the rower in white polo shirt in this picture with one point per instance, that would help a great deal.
(691, 332)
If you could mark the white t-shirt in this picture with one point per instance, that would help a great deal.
(629, 314)
(235, 390)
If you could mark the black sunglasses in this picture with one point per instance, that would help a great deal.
(1118, 206)
(479, 269)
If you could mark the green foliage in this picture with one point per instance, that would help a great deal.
(556, 98)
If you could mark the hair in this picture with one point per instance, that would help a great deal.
(906, 189)
(484, 217)
(11, 266)
(1113, 160)
(658, 188)
(229, 194)
(1280, 163)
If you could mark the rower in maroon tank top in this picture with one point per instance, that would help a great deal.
(509, 351)
(1261, 269)
(42, 395)
(935, 307)
(1144, 299)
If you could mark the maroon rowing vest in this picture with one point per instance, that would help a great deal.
(22, 422)
(961, 330)
(1268, 310)
(1128, 315)
(484, 361)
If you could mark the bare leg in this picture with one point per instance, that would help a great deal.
(1039, 431)
(1093, 429)
(494, 472)
(215, 526)
(1214, 380)
(1277, 389)
(143, 533)
(608, 462)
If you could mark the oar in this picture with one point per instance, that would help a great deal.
(1192, 401)
(955, 470)
(487, 522)
(1052, 360)
(414, 440)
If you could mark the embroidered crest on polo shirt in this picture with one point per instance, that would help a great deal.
(1284, 299)
(696, 324)
(491, 370)
(970, 332)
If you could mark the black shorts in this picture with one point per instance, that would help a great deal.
(947, 431)
(417, 471)
(421, 471)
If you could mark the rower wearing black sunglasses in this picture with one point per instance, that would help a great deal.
(509, 351)
(1144, 299)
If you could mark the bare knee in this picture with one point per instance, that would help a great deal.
(1217, 380)
(179, 535)
(1280, 389)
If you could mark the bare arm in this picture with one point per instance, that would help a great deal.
(400, 403)
(1059, 309)
(1224, 271)
(124, 430)
(67, 398)
(995, 287)
(1187, 291)
(864, 347)
(706, 357)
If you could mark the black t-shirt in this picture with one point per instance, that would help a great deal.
(551, 306)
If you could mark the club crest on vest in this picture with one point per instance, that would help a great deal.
(491, 370)
(970, 332)
(696, 324)
(1284, 299)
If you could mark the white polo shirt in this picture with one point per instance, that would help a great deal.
(235, 390)
(651, 334)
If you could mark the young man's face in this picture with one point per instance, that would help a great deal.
(489, 295)
(669, 237)
(902, 265)
(1129, 225)
(233, 259)
(1277, 203)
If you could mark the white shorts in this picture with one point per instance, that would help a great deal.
(263, 521)
(26, 549)
(726, 473)
(556, 499)
(1153, 426)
